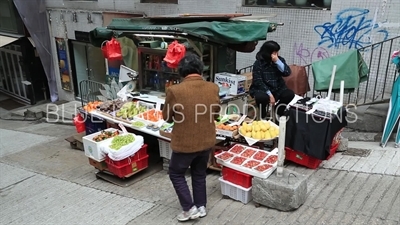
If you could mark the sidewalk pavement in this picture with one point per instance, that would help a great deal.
(44, 181)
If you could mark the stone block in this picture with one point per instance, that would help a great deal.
(343, 145)
(285, 193)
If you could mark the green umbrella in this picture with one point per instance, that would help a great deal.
(393, 115)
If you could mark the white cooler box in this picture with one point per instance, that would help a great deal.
(92, 148)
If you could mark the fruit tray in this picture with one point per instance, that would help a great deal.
(130, 110)
(250, 127)
(249, 160)
(152, 117)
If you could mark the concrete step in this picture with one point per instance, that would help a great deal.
(368, 118)
(365, 136)
(58, 112)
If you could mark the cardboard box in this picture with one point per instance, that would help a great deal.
(235, 82)
(249, 79)
(98, 165)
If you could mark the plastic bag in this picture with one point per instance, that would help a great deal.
(174, 54)
(112, 50)
(125, 151)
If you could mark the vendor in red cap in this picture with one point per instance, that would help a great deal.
(192, 105)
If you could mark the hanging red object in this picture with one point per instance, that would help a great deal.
(79, 123)
(175, 53)
(112, 50)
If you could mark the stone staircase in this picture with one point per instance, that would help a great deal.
(57, 112)
(366, 122)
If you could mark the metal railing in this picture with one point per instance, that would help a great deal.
(381, 77)
(89, 91)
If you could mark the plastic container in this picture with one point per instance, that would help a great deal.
(138, 155)
(130, 168)
(92, 148)
(165, 149)
(305, 160)
(241, 168)
(79, 123)
(236, 177)
(94, 124)
(235, 192)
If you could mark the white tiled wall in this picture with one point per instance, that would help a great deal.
(299, 38)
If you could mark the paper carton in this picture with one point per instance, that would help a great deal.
(235, 82)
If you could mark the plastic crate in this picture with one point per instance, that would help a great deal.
(305, 160)
(138, 155)
(94, 124)
(237, 177)
(235, 192)
(129, 169)
(165, 149)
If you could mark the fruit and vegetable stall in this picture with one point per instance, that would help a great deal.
(117, 131)
(128, 120)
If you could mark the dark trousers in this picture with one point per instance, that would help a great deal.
(262, 101)
(178, 166)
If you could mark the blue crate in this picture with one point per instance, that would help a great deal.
(94, 124)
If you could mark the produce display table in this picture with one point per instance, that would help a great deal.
(157, 99)
(311, 135)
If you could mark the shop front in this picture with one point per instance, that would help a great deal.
(88, 64)
(22, 76)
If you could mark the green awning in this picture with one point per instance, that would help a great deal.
(219, 32)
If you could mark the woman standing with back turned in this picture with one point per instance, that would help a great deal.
(192, 105)
(268, 86)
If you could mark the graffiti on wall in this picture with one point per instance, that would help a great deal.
(304, 55)
(352, 28)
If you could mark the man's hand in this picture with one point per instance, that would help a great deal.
(274, 57)
(271, 100)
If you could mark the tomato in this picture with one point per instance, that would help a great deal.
(225, 156)
(237, 149)
(238, 160)
(260, 155)
(251, 163)
(272, 159)
(248, 153)
(263, 167)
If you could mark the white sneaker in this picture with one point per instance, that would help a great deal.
(192, 214)
(202, 211)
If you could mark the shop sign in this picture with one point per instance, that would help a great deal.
(63, 64)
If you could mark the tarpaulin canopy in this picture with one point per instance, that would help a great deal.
(219, 32)
(350, 67)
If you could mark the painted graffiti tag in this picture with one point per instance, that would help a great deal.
(352, 29)
(303, 55)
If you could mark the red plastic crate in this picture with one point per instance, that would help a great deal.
(138, 155)
(305, 160)
(130, 168)
(237, 177)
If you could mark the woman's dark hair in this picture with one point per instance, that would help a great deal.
(266, 50)
(190, 64)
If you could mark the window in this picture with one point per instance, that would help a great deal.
(160, 1)
(10, 21)
(315, 4)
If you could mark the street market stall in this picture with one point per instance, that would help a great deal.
(131, 123)
(144, 44)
